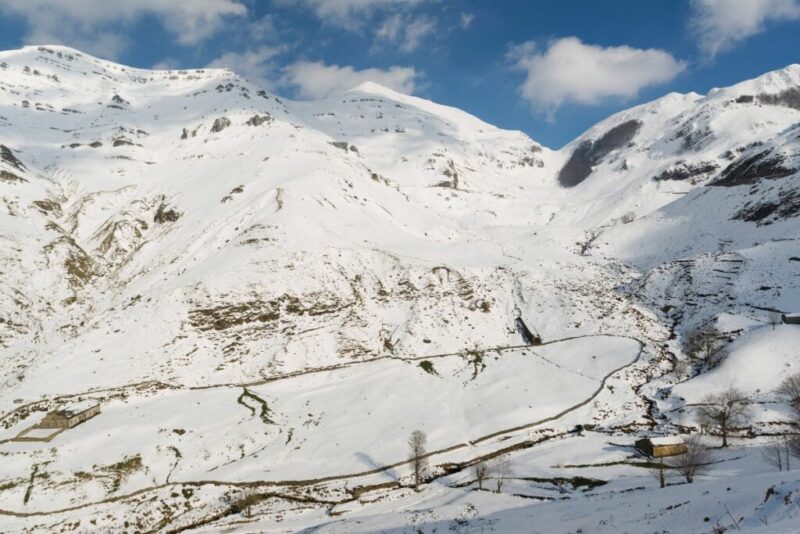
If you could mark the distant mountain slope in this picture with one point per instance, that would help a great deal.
(243, 218)
(268, 277)
(641, 158)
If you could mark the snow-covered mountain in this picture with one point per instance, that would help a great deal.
(268, 296)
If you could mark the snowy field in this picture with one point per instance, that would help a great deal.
(267, 297)
(326, 424)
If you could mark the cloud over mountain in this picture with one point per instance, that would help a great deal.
(721, 24)
(88, 22)
(315, 79)
(572, 71)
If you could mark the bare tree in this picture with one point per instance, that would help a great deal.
(695, 461)
(774, 318)
(794, 445)
(502, 470)
(790, 391)
(659, 473)
(773, 454)
(418, 459)
(703, 344)
(777, 453)
(680, 368)
(724, 411)
(717, 358)
(481, 471)
(242, 502)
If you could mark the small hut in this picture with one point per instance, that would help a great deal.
(71, 415)
(661, 447)
(791, 318)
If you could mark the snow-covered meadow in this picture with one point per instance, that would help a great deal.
(267, 297)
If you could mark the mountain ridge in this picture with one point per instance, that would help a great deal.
(281, 291)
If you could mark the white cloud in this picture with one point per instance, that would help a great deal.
(391, 29)
(262, 29)
(721, 24)
(350, 14)
(80, 23)
(318, 80)
(398, 23)
(255, 65)
(571, 71)
(166, 64)
(416, 32)
(407, 33)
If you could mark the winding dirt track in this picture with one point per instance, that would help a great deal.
(165, 385)
(312, 482)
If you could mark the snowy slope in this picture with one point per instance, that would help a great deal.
(644, 158)
(272, 295)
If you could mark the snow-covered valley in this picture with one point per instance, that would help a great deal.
(267, 297)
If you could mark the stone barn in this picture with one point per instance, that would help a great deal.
(71, 415)
(57, 421)
(661, 447)
(791, 318)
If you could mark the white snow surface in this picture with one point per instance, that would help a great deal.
(666, 440)
(267, 297)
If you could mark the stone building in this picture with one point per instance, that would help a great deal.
(661, 447)
(70, 415)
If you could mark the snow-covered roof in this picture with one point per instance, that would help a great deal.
(666, 440)
(76, 407)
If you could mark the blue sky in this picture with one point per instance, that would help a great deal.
(551, 68)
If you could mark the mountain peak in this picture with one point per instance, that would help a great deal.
(772, 82)
(376, 88)
(458, 118)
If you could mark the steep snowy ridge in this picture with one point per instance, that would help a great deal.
(677, 142)
(269, 296)
(769, 84)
